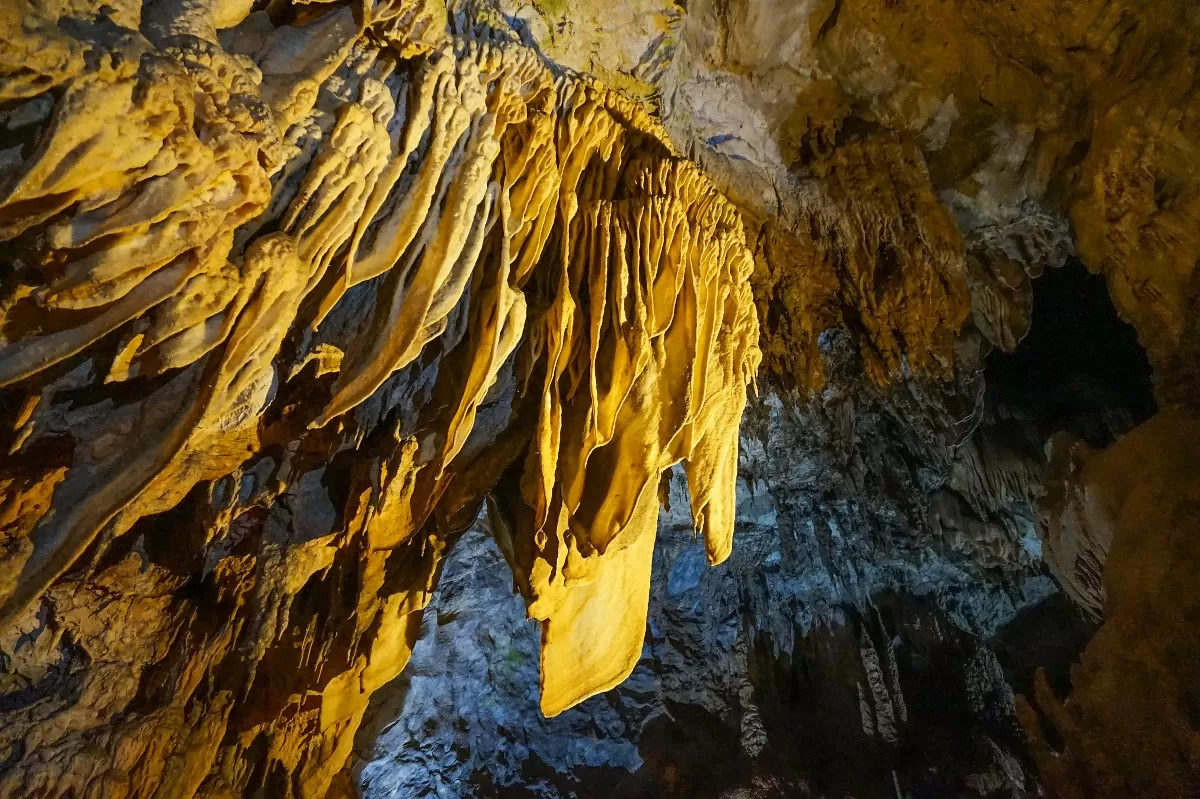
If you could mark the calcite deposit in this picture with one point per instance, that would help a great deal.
(312, 282)
(294, 295)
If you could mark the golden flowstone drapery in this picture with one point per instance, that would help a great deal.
(185, 211)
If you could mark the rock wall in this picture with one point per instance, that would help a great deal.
(831, 649)
(1126, 728)
(910, 168)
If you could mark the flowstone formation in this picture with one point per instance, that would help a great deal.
(910, 173)
(287, 293)
(300, 301)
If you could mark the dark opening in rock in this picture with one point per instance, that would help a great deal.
(1081, 368)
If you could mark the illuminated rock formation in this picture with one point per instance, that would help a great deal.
(884, 153)
(309, 284)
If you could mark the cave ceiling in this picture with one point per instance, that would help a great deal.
(292, 293)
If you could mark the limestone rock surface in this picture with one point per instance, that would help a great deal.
(298, 296)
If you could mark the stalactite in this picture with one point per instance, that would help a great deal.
(433, 220)
(884, 711)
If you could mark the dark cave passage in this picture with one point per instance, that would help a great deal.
(1081, 368)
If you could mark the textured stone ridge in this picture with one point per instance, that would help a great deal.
(288, 293)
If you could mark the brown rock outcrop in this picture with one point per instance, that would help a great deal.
(1126, 728)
